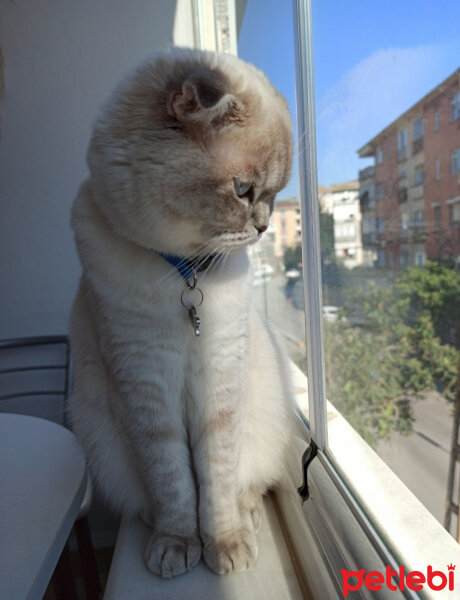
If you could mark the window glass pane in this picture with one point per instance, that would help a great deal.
(392, 344)
(277, 258)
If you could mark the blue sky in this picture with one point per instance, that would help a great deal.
(373, 59)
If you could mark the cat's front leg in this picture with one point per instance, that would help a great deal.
(229, 542)
(152, 419)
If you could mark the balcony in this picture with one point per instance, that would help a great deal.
(417, 192)
(369, 239)
(403, 195)
(402, 154)
(367, 173)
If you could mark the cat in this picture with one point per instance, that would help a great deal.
(184, 420)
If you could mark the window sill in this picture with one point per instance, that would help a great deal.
(378, 502)
(273, 577)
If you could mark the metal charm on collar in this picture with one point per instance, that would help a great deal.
(187, 301)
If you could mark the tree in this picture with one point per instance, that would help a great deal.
(293, 257)
(385, 350)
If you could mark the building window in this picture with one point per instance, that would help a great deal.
(379, 156)
(454, 214)
(381, 225)
(436, 119)
(381, 258)
(418, 218)
(456, 161)
(403, 259)
(437, 217)
(402, 139)
(380, 190)
(391, 259)
(419, 176)
(455, 107)
(438, 168)
(418, 129)
(402, 144)
(420, 259)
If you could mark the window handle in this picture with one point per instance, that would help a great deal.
(307, 458)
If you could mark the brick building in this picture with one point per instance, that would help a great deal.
(410, 198)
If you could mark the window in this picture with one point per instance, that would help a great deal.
(438, 168)
(402, 144)
(402, 139)
(455, 161)
(420, 259)
(403, 259)
(454, 214)
(418, 218)
(436, 119)
(418, 129)
(455, 107)
(419, 176)
(437, 217)
(366, 362)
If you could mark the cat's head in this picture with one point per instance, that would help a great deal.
(189, 153)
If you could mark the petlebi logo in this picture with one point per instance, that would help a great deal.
(398, 580)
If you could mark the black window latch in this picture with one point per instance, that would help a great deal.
(307, 458)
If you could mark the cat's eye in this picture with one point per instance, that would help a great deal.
(242, 188)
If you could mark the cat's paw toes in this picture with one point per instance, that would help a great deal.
(233, 551)
(172, 555)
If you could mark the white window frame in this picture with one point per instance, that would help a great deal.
(438, 168)
(388, 525)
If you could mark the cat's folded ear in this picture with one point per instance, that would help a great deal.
(203, 98)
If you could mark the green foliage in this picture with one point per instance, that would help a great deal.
(326, 231)
(293, 257)
(385, 350)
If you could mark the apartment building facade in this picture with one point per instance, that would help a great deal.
(341, 200)
(286, 225)
(410, 198)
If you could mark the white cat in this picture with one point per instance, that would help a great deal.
(186, 430)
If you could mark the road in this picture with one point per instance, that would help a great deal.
(421, 459)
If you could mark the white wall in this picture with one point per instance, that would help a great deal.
(62, 57)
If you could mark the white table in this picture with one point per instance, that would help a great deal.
(42, 484)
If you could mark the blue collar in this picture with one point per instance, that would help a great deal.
(188, 266)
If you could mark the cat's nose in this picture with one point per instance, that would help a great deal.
(261, 228)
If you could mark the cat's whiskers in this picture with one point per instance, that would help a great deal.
(174, 274)
(176, 278)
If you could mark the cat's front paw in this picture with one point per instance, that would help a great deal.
(232, 551)
(172, 555)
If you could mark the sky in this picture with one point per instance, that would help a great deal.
(373, 59)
